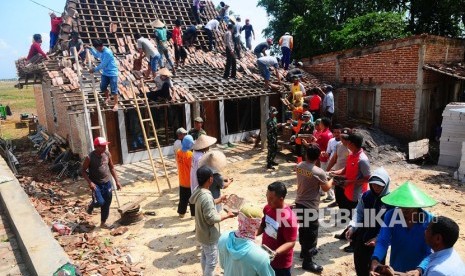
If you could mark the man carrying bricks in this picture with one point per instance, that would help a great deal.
(97, 170)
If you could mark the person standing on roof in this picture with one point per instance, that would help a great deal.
(286, 42)
(55, 21)
(161, 38)
(36, 49)
(230, 68)
(263, 64)
(97, 170)
(147, 49)
(77, 43)
(180, 53)
(197, 9)
(260, 49)
(164, 84)
(109, 69)
(237, 37)
(224, 12)
(211, 26)
(248, 28)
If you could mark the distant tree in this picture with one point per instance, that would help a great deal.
(321, 26)
(369, 29)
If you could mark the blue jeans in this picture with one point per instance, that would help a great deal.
(154, 62)
(101, 197)
(264, 71)
(282, 271)
(112, 81)
(209, 258)
(286, 57)
(53, 40)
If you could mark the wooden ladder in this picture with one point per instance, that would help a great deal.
(96, 106)
(147, 139)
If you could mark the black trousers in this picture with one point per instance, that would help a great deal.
(179, 53)
(184, 195)
(230, 69)
(362, 254)
(308, 233)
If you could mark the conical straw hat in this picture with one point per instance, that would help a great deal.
(215, 159)
(204, 141)
(157, 24)
(408, 196)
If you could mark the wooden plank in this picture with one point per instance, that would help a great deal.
(131, 205)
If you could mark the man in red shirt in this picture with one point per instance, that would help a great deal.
(279, 229)
(55, 31)
(315, 103)
(323, 140)
(35, 48)
(180, 53)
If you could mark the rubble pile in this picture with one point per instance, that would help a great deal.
(92, 252)
(380, 147)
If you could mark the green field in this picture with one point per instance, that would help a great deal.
(19, 101)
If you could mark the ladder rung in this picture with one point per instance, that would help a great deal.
(151, 139)
(146, 120)
(95, 127)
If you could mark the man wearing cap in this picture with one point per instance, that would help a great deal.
(147, 49)
(197, 130)
(97, 170)
(264, 63)
(209, 28)
(184, 163)
(164, 84)
(356, 173)
(328, 102)
(404, 230)
(302, 126)
(286, 42)
(180, 133)
(248, 28)
(109, 68)
(207, 219)
(239, 254)
(260, 49)
(272, 138)
(161, 37)
(76, 42)
(368, 207)
(310, 179)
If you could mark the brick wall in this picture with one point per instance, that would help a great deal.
(397, 112)
(41, 115)
(340, 105)
(325, 71)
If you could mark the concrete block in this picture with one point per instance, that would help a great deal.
(42, 253)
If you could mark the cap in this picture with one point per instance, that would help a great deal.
(329, 87)
(198, 119)
(300, 63)
(356, 139)
(306, 114)
(317, 121)
(273, 110)
(187, 143)
(181, 130)
(100, 141)
(287, 33)
(408, 196)
(295, 77)
(269, 41)
(345, 132)
(203, 174)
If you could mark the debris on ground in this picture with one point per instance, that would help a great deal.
(381, 148)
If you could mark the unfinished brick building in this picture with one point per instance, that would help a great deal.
(400, 86)
(231, 108)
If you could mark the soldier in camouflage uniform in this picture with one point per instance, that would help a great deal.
(272, 138)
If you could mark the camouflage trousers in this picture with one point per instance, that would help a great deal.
(272, 150)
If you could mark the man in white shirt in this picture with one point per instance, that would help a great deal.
(330, 152)
(237, 37)
(328, 102)
(286, 42)
(147, 49)
(264, 63)
(211, 26)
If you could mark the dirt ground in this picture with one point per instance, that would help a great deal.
(166, 244)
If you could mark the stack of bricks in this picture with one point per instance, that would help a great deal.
(453, 135)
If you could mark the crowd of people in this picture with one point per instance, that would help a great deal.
(329, 160)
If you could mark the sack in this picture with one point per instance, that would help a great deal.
(137, 64)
